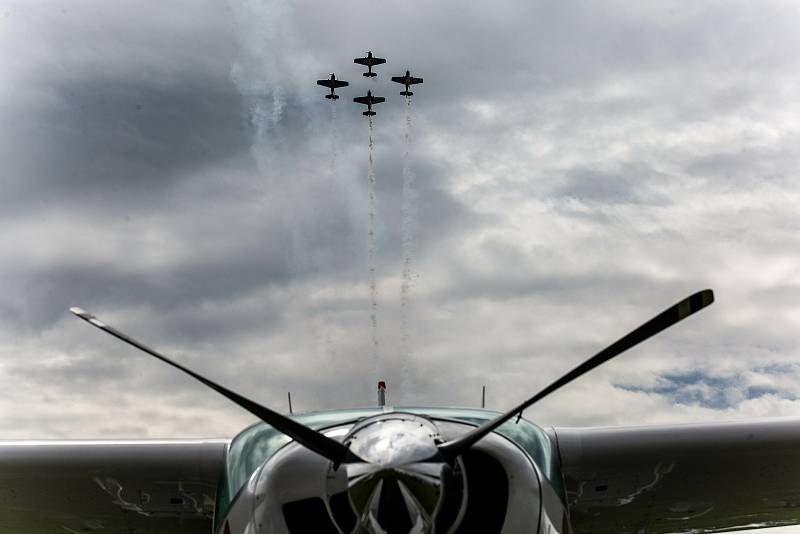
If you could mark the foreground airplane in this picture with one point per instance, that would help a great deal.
(369, 61)
(412, 471)
(408, 81)
(332, 84)
(368, 101)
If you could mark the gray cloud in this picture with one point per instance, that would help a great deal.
(579, 168)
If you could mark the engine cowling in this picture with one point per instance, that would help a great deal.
(403, 487)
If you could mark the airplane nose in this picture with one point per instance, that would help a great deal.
(389, 442)
(415, 499)
(403, 486)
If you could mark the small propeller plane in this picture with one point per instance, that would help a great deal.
(369, 61)
(368, 101)
(386, 470)
(408, 81)
(332, 84)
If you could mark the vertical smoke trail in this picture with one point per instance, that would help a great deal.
(334, 152)
(409, 213)
(373, 288)
(263, 75)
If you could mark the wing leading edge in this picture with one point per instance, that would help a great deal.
(367, 100)
(682, 478)
(333, 84)
(369, 61)
(136, 487)
(402, 79)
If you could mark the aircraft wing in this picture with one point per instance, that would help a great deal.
(369, 61)
(332, 84)
(378, 99)
(682, 478)
(402, 79)
(135, 487)
(362, 100)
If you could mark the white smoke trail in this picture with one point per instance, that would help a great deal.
(334, 134)
(373, 288)
(409, 228)
(262, 74)
(273, 72)
(266, 78)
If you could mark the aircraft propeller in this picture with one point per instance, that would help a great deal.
(662, 321)
(340, 453)
(310, 438)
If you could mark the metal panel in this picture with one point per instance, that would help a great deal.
(126, 487)
(680, 478)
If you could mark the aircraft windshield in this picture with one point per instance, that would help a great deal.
(253, 446)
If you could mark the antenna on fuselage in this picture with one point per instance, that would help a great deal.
(289, 394)
(381, 393)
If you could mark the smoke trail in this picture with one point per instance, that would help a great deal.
(334, 152)
(262, 73)
(334, 134)
(268, 82)
(373, 288)
(409, 227)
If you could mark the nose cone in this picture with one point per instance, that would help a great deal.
(404, 486)
(395, 442)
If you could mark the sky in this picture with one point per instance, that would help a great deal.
(571, 170)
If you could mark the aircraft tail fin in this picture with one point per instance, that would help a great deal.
(332, 97)
(406, 93)
(370, 74)
(368, 113)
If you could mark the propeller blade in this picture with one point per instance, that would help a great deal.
(662, 321)
(311, 439)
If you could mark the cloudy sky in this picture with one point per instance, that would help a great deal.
(573, 168)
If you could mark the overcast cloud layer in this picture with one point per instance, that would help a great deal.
(173, 168)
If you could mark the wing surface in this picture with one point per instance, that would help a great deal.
(378, 99)
(682, 478)
(399, 79)
(334, 83)
(416, 80)
(369, 61)
(135, 487)
(361, 100)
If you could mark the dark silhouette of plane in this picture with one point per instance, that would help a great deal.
(370, 61)
(408, 81)
(333, 83)
(368, 101)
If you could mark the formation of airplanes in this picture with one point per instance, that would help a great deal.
(369, 100)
